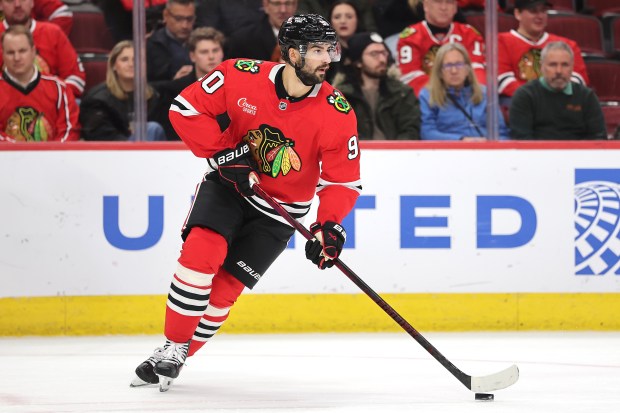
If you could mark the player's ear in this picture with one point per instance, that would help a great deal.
(294, 55)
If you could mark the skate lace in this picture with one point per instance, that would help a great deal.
(175, 352)
(158, 355)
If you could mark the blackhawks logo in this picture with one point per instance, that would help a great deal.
(529, 65)
(429, 59)
(274, 152)
(338, 101)
(252, 66)
(407, 31)
(26, 124)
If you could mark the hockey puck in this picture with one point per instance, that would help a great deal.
(487, 397)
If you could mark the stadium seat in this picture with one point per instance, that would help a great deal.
(587, 31)
(95, 66)
(564, 5)
(612, 25)
(612, 118)
(600, 7)
(505, 21)
(604, 78)
(90, 34)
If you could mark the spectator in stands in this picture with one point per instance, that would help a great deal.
(419, 43)
(323, 7)
(206, 50)
(554, 108)
(118, 16)
(385, 107)
(106, 112)
(55, 54)
(53, 11)
(519, 50)
(166, 49)
(454, 104)
(228, 16)
(259, 40)
(33, 106)
(345, 19)
(392, 16)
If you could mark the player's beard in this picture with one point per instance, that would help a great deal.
(307, 77)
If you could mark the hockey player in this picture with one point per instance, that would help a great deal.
(298, 135)
(33, 106)
(519, 50)
(418, 43)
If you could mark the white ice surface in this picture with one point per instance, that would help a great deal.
(560, 372)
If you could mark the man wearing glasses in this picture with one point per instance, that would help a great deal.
(259, 40)
(166, 49)
(385, 107)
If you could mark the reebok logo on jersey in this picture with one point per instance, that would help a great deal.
(249, 270)
(246, 107)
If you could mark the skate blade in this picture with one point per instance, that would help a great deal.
(164, 383)
(138, 382)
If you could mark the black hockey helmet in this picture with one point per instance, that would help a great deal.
(300, 30)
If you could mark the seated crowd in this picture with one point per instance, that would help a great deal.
(411, 69)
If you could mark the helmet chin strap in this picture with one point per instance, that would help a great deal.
(304, 79)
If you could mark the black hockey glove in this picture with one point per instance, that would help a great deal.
(234, 166)
(327, 244)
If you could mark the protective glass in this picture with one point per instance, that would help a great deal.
(318, 50)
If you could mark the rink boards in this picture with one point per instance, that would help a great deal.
(496, 236)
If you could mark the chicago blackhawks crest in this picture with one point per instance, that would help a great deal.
(251, 66)
(273, 151)
(26, 124)
(339, 102)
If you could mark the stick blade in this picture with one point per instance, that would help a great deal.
(497, 381)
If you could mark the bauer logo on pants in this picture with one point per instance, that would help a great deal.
(597, 221)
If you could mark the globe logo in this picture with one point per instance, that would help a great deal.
(597, 227)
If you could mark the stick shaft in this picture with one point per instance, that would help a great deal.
(456, 372)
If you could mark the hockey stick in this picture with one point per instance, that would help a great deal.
(481, 384)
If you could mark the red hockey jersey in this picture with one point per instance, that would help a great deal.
(54, 11)
(43, 111)
(297, 144)
(55, 55)
(519, 60)
(417, 48)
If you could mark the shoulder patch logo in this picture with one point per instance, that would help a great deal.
(273, 151)
(338, 101)
(251, 66)
(407, 31)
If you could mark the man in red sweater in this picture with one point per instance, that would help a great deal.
(519, 50)
(419, 43)
(56, 55)
(33, 106)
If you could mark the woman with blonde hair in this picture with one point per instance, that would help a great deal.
(106, 111)
(453, 103)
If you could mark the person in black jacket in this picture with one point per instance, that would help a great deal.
(258, 41)
(106, 111)
(166, 49)
(206, 50)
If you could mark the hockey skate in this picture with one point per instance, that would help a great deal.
(145, 374)
(171, 363)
